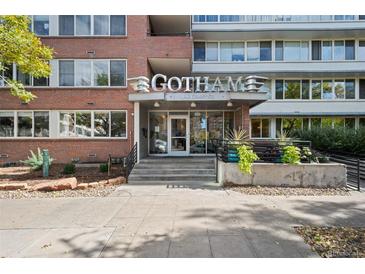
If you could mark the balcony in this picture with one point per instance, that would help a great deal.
(278, 27)
(169, 25)
(309, 108)
(283, 69)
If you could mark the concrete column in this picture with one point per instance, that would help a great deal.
(136, 129)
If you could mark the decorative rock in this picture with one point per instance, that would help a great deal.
(13, 186)
(93, 184)
(116, 181)
(103, 182)
(82, 186)
(57, 185)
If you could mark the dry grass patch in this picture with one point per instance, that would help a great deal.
(335, 242)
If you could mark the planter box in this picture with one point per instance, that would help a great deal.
(270, 174)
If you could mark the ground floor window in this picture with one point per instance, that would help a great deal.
(287, 125)
(260, 128)
(96, 124)
(24, 124)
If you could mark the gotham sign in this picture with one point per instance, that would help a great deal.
(161, 83)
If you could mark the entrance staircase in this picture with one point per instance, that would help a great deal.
(174, 171)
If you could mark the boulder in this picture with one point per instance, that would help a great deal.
(103, 182)
(117, 181)
(93, 184)
(13, 186)
(82, 186)
(56, 185)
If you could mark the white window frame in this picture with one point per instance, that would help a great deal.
(92, 28)
(92, 112)
(92, 73)
(356, 82)
(260, 118)
(49, 29)
(15, 116)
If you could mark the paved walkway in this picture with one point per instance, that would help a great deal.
(155, 221)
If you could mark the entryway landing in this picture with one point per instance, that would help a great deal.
(169, 170)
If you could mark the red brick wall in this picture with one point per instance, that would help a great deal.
(242, 117)
(137, 47)
(65, 150)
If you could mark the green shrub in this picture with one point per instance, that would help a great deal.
(36, 160)
(334, 139)
(246, 158)
(308, 156)
(69, 168)
(291, 155)
(103, 167)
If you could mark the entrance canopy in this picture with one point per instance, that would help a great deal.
(206, 100)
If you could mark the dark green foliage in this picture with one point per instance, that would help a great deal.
(103, 167)
(334, 139)
(69, 168)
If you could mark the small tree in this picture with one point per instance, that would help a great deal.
(20, 46)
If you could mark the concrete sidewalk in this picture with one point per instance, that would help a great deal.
(156, 221)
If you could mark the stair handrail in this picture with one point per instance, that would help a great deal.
(130, 161)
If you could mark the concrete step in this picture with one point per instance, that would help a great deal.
(174, 165)
(155, 160)
(174, 171)
(165, 171)
(171, 177)
(177, 183)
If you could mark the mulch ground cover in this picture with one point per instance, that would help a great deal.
(286, 191)
(23, 174)
(335, 242)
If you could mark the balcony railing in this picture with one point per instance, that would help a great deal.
(274, 18)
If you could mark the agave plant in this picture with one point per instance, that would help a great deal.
(238, 137)
(36, 160)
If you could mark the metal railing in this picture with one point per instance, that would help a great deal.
(130, 161)
(273, 18)
(127, 163)
(355, 167)
(269, 151)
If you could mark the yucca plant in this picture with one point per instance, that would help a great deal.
(36, 160)
(283, 138)
(238, 137)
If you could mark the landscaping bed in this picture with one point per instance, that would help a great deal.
(101, 191)
(22, 181)
(335, 242)
(285, 191)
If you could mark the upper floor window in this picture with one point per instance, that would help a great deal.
(13, 72)
(291, 50)
(41, 24)
(333, 50)
(92, 73)
(315, 89)
(232, 51)
(259, 51)
(361, 50)
(99, 25)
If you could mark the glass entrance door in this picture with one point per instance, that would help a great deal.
(178, 135)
